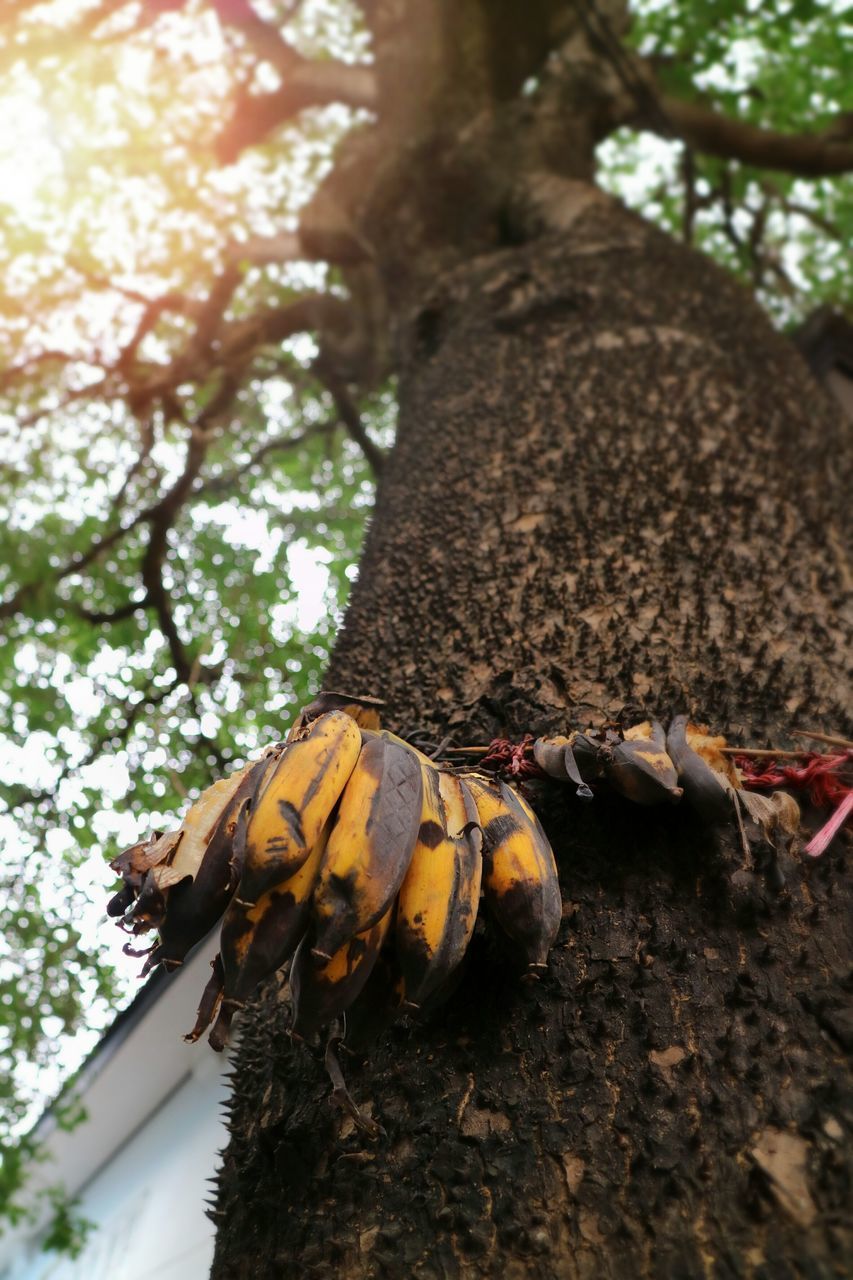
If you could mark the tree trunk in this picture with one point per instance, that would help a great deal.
(613, 483)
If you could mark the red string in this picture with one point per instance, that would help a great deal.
(818, 776)
(512, 759)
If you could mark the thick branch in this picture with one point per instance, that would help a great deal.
(310, 243)
(262, 251)
(705, 129)
(309, 84)
(275, 324)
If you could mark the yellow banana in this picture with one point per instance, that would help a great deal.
(520, 882)
(258, 938)
(289, 812)
(370, 845)
(364, 711)
(323, 991)
(437, 905)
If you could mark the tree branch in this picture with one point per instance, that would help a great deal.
(157, 598)
(273, 325)
(705, 129)
(133, 710)
(32, 363)
(164, 509)
(262, 251)
(281, 444)
(308, 84)
(350, 416)
(265, 38)
(99, 617)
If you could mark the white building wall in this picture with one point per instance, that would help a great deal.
(147, 1201)
(141, 1160)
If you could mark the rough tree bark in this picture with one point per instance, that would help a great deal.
(613, 483)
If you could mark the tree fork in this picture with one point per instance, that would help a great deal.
(613, 483)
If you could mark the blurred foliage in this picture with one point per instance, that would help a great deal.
(110, 194)
(786, 65)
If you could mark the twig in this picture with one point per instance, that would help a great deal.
(342, 1097)
(830, 739)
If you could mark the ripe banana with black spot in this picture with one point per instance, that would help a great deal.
(289, 813)
(323, 991)
(438, 900)
(258, 938)
(520, 884)
(370, 844)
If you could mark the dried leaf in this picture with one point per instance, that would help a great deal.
(550, 755)
(787, 813)
(200, 823)
(161, 849)
(777, 814)
(165, 877)
(134, 860)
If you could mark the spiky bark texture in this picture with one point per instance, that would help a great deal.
(613, 483)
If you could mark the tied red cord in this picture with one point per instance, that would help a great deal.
(819, 777)
(512, 759)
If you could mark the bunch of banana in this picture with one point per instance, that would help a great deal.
(350, 853)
